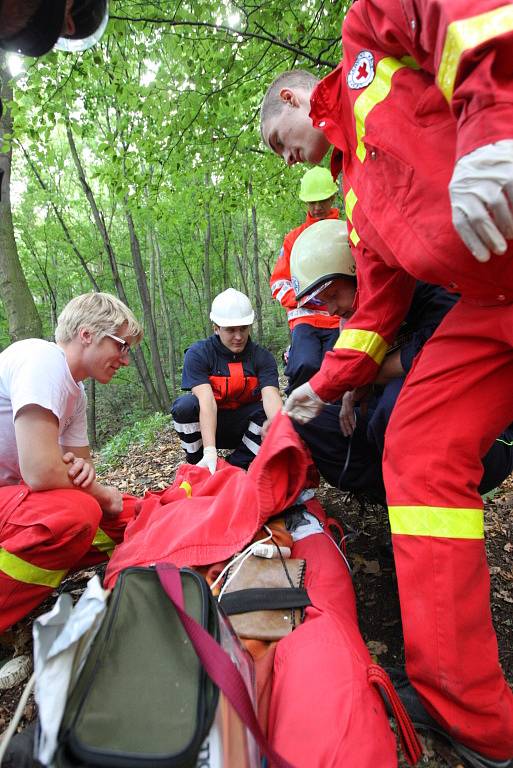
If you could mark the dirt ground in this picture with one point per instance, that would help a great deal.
(368, 549)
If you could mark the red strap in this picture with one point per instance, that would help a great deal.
(217, 663)
(410, 743)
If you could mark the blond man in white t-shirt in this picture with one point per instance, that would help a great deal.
(54, 514)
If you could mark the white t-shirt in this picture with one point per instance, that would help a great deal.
(35, 372)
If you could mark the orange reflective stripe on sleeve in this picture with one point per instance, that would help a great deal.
(465, 34)
(441, 522)
(20, 570)
(370, 343)
(375, 93)
(103, 543)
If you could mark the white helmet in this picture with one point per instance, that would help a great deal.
(320, 255)
(231, 308)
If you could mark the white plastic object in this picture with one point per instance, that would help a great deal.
(271, 550)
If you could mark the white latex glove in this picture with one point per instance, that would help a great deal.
(303, 404)
(481, 192)
(209, 459)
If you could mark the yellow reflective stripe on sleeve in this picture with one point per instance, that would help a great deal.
(370, 343)
(21, 570)
(466, 34)
(375, 93)
(354, 237)
(103, 542)
(350, 202)
(187, 487)
(443, 522)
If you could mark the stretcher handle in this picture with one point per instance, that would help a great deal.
(217, 663)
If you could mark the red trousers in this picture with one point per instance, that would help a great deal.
(323, 712)
(44, 535)
(456, 400)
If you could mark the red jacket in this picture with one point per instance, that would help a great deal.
(203, 518)
(422, 83)
(281, 285)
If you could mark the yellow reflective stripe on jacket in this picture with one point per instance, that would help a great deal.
(369, 342)
(21, 570)
(443, 522)
(375, 93)
(466, 34)
(103, 542)
(187, 487)
(350, 202)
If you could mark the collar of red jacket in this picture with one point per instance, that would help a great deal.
(333, 214)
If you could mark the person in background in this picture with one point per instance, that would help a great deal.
(234, 388)
(313, 330)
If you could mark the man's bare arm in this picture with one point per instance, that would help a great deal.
(41, 461)
(207, 413)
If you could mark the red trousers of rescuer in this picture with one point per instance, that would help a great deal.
(43, 536)
(456, 400)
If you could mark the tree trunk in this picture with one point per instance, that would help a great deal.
(256, 268)
(165, 314)
(91, 413)
(140, 361)
(149, 320)
(206, 262)
(20, 308)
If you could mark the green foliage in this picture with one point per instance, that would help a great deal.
(141, 433)
(164, 116)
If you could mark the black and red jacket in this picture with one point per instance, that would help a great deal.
(236, 379)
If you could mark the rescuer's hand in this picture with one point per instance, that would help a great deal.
(303, 404)
(481, 192)
(347, 416)
(209, 459)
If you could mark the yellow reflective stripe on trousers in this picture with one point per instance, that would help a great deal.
(466, 34)
(350, 202)
(21, 570)
(443, 522)
(187, 487)
(369, 342)
(103, 542)
(375, 93)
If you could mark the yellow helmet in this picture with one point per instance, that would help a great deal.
(317, 184)
(320, 255)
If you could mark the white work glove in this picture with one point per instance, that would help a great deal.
(481, 192)
(303, 404)
(209, 459)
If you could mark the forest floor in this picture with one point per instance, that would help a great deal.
(369, 555)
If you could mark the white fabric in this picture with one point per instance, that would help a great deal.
(481, 192)
(255, 428)
(62, 638)
(300, 312)
(191, 447)
(187, 429)
(253, 447)
(35, 372)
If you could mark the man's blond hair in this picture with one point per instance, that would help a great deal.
(272, 104)
(100, 313)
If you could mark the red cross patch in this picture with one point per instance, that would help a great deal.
(362, 72)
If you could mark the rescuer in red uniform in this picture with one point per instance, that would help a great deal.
(423, 101)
